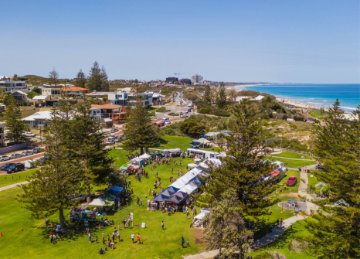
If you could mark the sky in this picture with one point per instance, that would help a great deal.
(314, 41)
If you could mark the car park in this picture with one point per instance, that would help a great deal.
(16, 155)
(4, 158)
(3, 167)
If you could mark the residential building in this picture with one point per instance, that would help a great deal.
(73, 91)
(39, 119)
(51, 90)
(108, 112)
(20, 96)
(8, 85)
(197, 79)
(120, 97)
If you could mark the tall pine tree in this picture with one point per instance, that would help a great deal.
(221, 98)
(140, 133)
(13, 123)
(56, 185)
(97, 79)
(80, 79)
(240, 176)
(336, 228)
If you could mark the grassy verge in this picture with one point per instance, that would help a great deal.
(8, 179)
(176, 142)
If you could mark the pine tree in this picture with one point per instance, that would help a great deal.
(226, 229)
(139, 131)
(207, 95)
(56, 185)
(14, 125)
(336, 228)
(241, 175)
(221, 98)
(88, 145)
(80, 79)
(97, 79)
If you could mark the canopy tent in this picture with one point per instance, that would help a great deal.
(192, 165)
(179, 183)
(133, 167)
(186, 178)
(116, 189)
(178, 197)
(202, 141)
(161, 197)
(189, 188)
(138, 161)
(166, 193)
(210, 162)
(202, 214)
(172, 189)
(144, 156)
(98, 202)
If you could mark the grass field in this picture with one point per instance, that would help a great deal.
(8, 179)
(176, 142)
(293, 159)
(23, 234)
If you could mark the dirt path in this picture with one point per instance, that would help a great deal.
(7, 187)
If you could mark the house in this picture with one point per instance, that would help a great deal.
(20, 96)
(8, 85)
(39, 100)
(108, 112)
(120, 97)
(51, 90)
(39, 119)
(98, 95)
(73, 91)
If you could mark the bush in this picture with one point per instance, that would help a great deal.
(192, 127)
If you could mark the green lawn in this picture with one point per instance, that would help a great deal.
(8, 179)
(318, 114)
(289, 154)
(292, 162)
(23, 234)
(176, 142)
(283, 188)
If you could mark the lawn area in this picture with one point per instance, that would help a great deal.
(23, 234)
(318, 114)
(176, 142)
(290, 154)
(119, 157)
(293, 160)
(285, 245)
(8, 179)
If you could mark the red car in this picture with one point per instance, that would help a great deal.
(291, 181)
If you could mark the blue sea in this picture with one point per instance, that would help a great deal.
(319, 95)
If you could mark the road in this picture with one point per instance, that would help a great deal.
(22, 159)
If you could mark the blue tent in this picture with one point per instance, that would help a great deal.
(115, 189)
(161, 197)
(172, 189)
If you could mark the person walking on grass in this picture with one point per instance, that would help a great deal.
(163, 225)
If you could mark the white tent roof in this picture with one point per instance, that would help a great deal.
(212, 134)
(189, 188)
(97, 202)
(39, 97)
(184, 180)
(144, 156)
(203, 141)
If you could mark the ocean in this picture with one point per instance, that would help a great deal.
(318, 95)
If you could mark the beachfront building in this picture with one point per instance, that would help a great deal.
(8, 85)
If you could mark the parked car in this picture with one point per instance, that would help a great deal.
(3, 167)
(15, 168)
(4, 158)
(14, 156)
(292, 181)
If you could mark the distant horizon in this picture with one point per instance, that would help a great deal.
(246, 41)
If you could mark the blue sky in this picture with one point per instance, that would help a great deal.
(240, 40)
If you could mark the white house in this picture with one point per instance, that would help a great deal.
(8, 85)
(38, 119)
